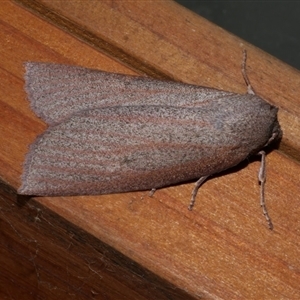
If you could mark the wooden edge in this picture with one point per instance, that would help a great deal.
(88, 267)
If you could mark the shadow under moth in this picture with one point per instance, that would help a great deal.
(112, 133)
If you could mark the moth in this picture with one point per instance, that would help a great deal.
(111, 133)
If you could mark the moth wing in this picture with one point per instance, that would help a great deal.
(58, 91)
(119, 149)
(111, 150)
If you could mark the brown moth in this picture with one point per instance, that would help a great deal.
(112, 133)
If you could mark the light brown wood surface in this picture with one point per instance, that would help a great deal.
(131, 246)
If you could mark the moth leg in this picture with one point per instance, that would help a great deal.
(151, 193)
(271, 139)
(195, 191)
(262, 180)
(244, 72)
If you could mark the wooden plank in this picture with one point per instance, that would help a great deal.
(130, 246)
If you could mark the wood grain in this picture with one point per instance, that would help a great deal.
(131, 246)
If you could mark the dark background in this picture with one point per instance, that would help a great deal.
(273, 26)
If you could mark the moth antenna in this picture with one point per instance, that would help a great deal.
(262, 180)
(244, 72)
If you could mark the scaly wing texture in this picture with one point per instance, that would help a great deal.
(128, 148)
(58, 91)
